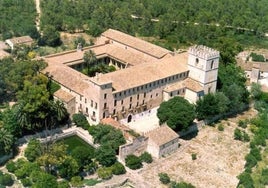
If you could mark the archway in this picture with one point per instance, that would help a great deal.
(129, 118)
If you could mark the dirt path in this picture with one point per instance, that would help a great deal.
(38, 11)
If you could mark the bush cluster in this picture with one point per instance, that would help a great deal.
(241, 135)
(6, 179)
(80, 120)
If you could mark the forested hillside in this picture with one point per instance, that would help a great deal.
(17, 18)
(178, 22)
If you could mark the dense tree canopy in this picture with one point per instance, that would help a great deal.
(196, 22)
(17, 18)
(177, 112)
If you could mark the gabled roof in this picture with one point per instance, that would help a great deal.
(135, 43)
(162, 135)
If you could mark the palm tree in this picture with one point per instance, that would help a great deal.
(89, 58)
(59, 110)
(6, 141)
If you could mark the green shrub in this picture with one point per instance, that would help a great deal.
(33, 150)
(194, 156)
(242, 124)
(220, 127)
(76, 181)
(245, 180)
(26, 182)
(264, 176)
(251, 161)
(164, 178)
(118, 168)
(237, 134)
(63, 184)
(6, 179)
(241, 135)
(11, 166)
(146, 157)
(81, 121)
(105, 173)
(256, 153)
(133, 162)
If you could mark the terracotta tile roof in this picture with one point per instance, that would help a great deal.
(127, 56)
(72, 79)
(136, 43)
(21, 40)
(145, 73)
(115, 124)
(174, 87)
(247, 66)
(162, 135)
(63, 95)
(193, 85)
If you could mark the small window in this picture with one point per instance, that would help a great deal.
(122, 102)
(196, 61)
(91, 103)
(105, 105)
(85, 100)
(114, 111)
(137, 104)
(151, 96)
(144, 95)
(115, 101)
(105, 96)
(130, 105)
(156, 94)
(87, 110)
(94, 113)
(130, 99)
(138, 96)
(103, 115)
(212, 63)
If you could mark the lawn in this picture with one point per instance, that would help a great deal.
(74, 141)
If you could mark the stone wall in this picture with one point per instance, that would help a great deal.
(137, 147)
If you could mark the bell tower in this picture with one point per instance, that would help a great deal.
(203, 64)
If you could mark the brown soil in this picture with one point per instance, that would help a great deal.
(220, 158)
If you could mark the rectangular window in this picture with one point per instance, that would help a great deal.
(138, 96)
(130, 105)
(105, 95)
(115, 102)
(96, 105)
(80, 97)
(91, 103)
(144, 95)
(130, 99)
(122, 102)
(86, 110)
(85, 100)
